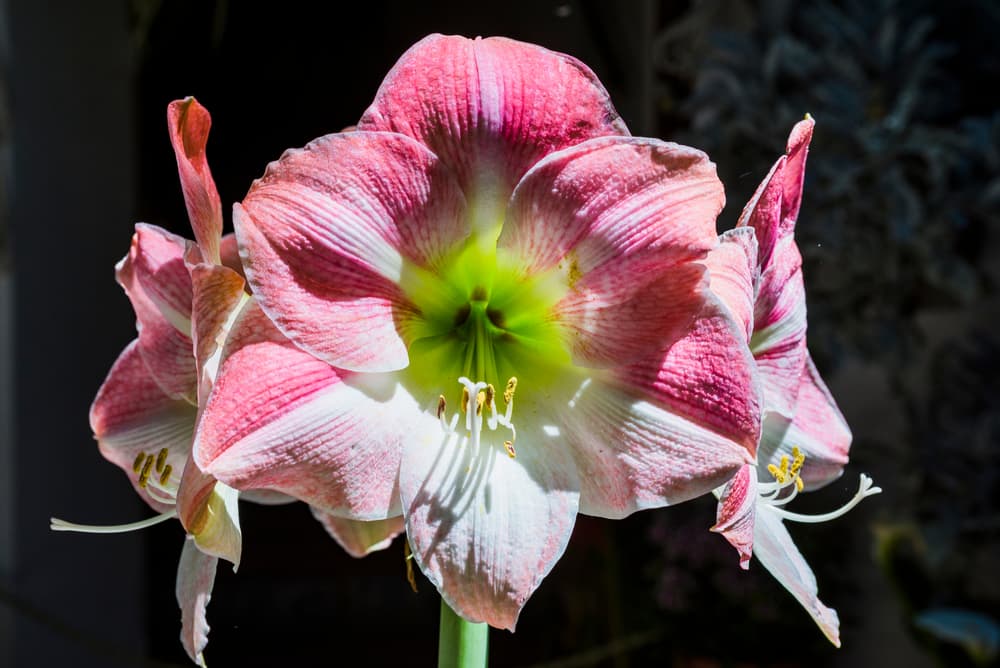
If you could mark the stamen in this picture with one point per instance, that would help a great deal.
(147, 468)
(465, 396)
(865, 489)
(165, 476)
(57, 524)
(442, 406)
(480, 400)
(137, 464)
(161, 460)
(509, 446)
(508, 392)
(490, 394)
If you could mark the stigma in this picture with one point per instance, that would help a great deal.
(479, 407)
(788, 483)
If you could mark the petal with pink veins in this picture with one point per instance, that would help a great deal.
(779, 338)
(195, 579)
(736, 512)
(776, 550)
(733, 270)
(330, 230)
(157, 283)
(280, 419)
(614, 201)
(793, 176)
(357, 537)
(188, 124)
(131, 415)
(819, 430)
(490, 109)
(669, 427)
(486, 528)
(217, 293)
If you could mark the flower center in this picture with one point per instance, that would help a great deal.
(482, 318)
(788, 483)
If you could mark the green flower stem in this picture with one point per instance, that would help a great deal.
(461, 644)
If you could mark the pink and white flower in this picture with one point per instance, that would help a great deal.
(483, 310)
(757, 271)
(184, 295)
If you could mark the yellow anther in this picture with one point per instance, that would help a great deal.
(165, 476)
(480, 400)
(778, 474)
(137, 464)
(799, 485)
(147, 468)
(442, 406)
(490, 394)
(465, 399)
(161, 460)
(509, 447)
(408, 558)
(798, 459)
(508, 392)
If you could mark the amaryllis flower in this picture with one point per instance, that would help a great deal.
(144, 415)
(757, 270)
(484, 310)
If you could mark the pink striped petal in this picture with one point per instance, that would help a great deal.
(621, 200)
(217, 292)
(188, 124)
(592, 316)
(776, 550)
(195, 579)
(819, 430)
(280, 419)
(737, 512)
(669, 427)
(330, 231)
(732, 266)
(359, 538)
(763, 213)
(793, 176)
(230, 252)
(491, 108)
(157, 283)
(779, 338)
(131, 415)
(486, 528)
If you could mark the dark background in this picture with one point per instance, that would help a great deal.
(898, 229)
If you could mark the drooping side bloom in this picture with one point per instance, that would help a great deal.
(757, 271)
(184, 295)
(485, 310)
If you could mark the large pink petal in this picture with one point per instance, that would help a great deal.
(280, 419)
(818, 430)
(157, 283)
(330, 231)
(610, 201)
(491, 108)
(732, 266)
(357, 537)
(669, 427)
(195, 579)
(188, 124)
(230, 252)
(131, 415)
(776, 550)
(737, 512)
(486, 528)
